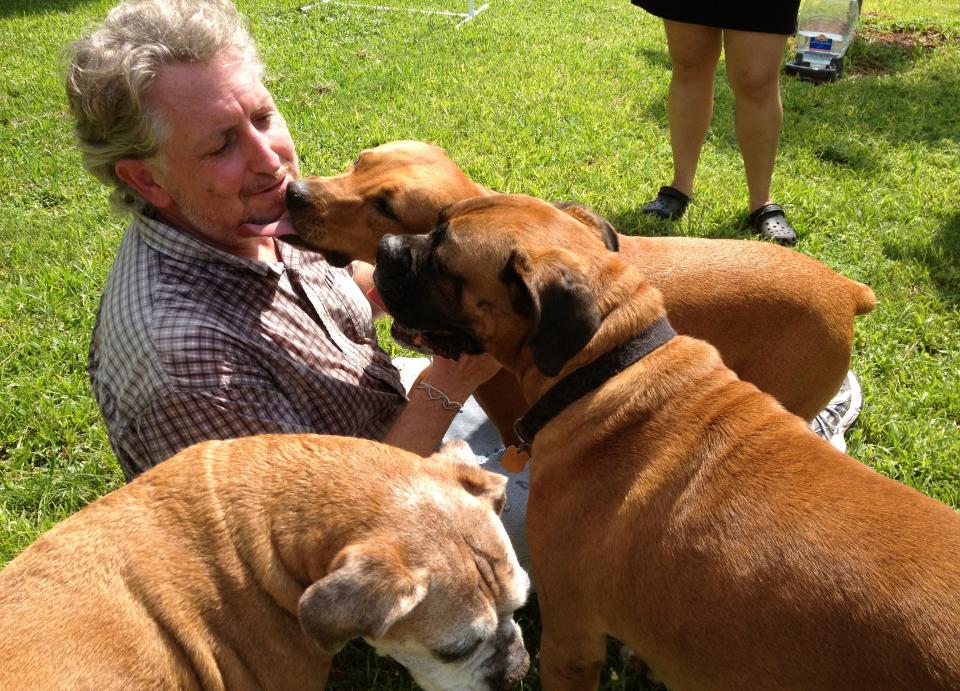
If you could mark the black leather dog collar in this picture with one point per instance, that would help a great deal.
(589, 377)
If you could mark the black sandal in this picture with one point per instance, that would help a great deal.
(770, 222)
(670, 203)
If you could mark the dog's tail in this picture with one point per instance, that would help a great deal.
(865, 299)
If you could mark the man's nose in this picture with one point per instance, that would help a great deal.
(264, 158)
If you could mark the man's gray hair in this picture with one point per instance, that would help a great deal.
(109, 71)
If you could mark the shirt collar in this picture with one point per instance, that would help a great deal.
(183, 246)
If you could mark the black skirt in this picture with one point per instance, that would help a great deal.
(770, 17)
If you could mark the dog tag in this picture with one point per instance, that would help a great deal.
(514, 459)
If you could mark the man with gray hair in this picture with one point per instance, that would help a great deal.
(209, 327)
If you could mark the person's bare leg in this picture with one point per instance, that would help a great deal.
(753, 67)
(694, 53)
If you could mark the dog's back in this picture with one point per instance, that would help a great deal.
(746, 552)
(785, 323)
(64, 601)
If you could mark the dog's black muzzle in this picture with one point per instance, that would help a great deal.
(407, 284)
(399, 270)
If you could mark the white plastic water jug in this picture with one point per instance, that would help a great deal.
(825, 29)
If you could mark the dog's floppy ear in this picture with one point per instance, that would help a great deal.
(479, 483)
(560, 303)
(486, 485)
(368, 590)
(592, 219)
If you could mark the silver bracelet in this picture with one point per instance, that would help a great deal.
(435, 394)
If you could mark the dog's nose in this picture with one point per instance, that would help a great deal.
(298, 196)
(514, 659)
(516, 667)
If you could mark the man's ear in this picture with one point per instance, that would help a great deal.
(139, 175)
(557, 298)
(369, 589)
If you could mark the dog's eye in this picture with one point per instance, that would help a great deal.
(458, 652)
(382, 205)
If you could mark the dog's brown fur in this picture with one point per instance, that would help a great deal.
(207, 571)
(676, 507)
(780, 320)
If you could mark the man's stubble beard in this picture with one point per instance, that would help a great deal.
(206, 222)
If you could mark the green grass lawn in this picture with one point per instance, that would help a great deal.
(558, 100)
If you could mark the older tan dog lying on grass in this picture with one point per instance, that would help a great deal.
(674, 506)
(780, 320)
(206, 571)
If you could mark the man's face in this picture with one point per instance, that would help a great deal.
(227, 156)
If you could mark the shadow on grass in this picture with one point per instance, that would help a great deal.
(831, 119)
(940, 255)
(656, 58)
(900, 111)
(887, 47)
(636, 222)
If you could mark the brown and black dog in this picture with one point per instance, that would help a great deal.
(781, 320)
(674, 506)
(248, 563)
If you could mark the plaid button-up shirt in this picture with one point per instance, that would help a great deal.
(192, 343)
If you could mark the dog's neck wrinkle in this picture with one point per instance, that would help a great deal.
(259, 551)
(308, 554)
(285, 545)
(222, 541)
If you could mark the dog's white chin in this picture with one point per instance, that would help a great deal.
(433, 675)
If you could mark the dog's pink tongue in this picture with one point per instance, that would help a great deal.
(281, 226)
(373, 295)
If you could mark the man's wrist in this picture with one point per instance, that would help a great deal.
(452, 386)
(435, 394)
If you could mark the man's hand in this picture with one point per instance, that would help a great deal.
(424, 421)
(363, 277)
(459, 378)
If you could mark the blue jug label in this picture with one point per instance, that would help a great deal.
(821, 42)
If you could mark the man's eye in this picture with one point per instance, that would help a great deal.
(227, 143)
